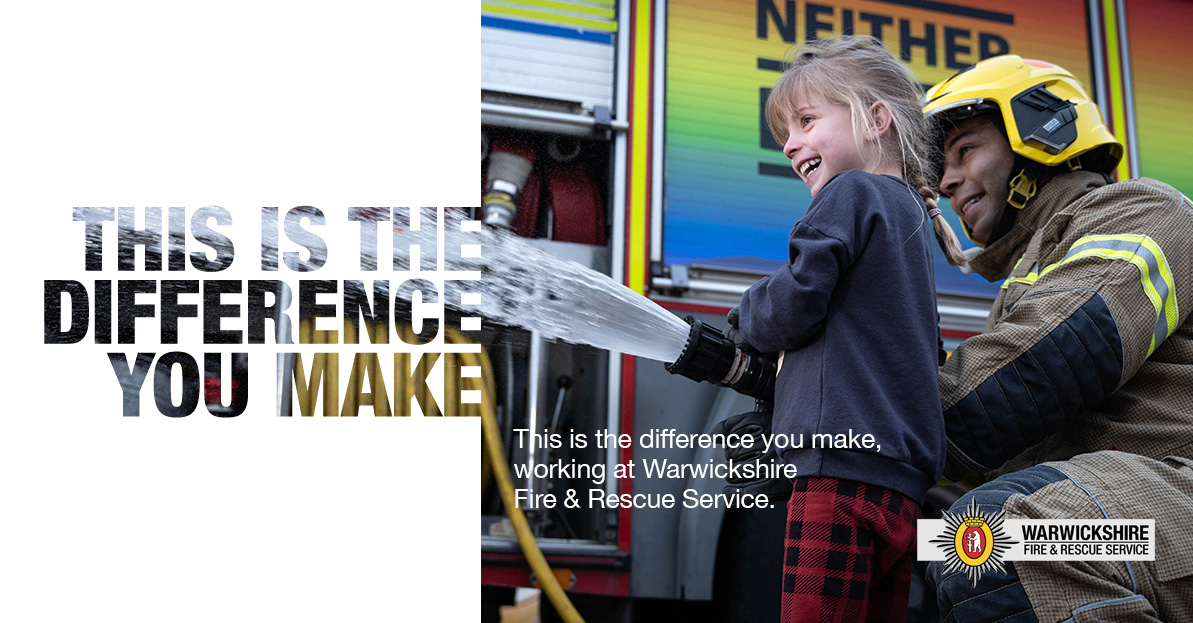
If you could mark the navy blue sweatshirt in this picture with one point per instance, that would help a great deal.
(855, 314)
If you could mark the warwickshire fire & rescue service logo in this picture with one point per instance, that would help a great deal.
(973, 541)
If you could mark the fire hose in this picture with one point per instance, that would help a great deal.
(530, 549)
(493, 459)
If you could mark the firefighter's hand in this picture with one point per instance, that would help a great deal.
(757, 424)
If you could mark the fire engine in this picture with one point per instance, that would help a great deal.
(628, 136)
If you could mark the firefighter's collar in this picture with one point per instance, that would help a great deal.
(996, 260)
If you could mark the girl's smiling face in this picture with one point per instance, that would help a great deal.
(821, 143)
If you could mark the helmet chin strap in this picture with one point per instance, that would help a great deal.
(1005, 222)
(1022, 188)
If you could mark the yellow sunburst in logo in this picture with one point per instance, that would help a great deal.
(973, 542)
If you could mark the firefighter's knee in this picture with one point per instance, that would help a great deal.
(985, 593)
(997, 596)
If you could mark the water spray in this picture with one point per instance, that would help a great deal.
(529, 287)
(712, 357)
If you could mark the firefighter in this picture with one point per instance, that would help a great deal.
(1075, 400)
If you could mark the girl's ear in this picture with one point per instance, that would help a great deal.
(880, 120)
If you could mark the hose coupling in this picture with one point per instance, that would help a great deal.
(711, 357)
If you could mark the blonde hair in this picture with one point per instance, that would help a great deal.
(858, 72)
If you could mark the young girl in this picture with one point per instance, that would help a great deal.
(854, 318)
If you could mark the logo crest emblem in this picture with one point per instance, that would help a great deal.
(973, 542)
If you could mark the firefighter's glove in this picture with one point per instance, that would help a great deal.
(757, 424)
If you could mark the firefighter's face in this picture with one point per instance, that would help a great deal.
(977, 165)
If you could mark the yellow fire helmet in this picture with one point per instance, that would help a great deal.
(1048, 116)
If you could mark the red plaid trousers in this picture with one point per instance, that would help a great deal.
(849, 552)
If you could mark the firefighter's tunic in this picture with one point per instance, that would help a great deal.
(1086, 349)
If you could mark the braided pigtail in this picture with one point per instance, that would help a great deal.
(945, 236)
